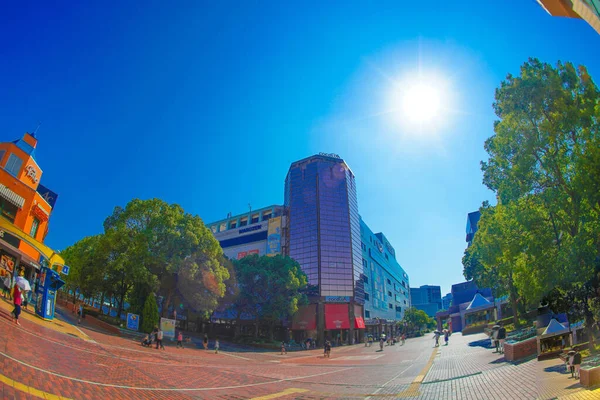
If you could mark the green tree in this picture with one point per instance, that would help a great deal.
(416, 320)
(544, 157)
(270, 288)
(164, 239)
(88, 263)
(149, 314)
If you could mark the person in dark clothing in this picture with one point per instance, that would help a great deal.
(501, 338)
(577, 363)
(327, 349)
(205, 342)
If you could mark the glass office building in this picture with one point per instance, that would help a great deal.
(323, 229)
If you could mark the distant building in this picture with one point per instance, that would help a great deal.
(588, 10)
(446, 301)
(246, 234)
(427, 298)
(471, 307)
(472, 221)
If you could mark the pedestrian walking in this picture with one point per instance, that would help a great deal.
(381, 343)
(446, 336)
(403, 338)
(571, 359)
(283, 350)
(205, 342)
(217, 346)
(180, 340)
(501, 337)
(17, 301)
(159, 339)
(436, 336)
(327, 349)
(79, 313)
(495, 341)
(577, 363)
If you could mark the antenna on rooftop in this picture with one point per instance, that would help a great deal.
(250, 207)
(36, 128)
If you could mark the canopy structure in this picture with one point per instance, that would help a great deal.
(554, 328)
(46, 252)
(479, 302)
(336, 316)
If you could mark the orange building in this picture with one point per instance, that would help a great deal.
(588, 10)
(25, 208)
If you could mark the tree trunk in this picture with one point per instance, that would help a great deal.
(165, 310)
(512, 293)
(238, 328)
(102, 302)
(271, 330)
(256, 328)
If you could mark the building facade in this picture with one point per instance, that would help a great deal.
(353, 274)
(254, 232)
(588, 10)
(472, 221)
(323, 229)
(427, 298)
(446, 301)
(26, 207)
(386, 284)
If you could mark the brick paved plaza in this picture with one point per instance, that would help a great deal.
(40, 361)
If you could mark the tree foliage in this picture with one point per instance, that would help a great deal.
(270, 288)
(149, 314)
(543, 236)
(150, 246)
(415, 320)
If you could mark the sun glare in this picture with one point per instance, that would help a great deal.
(420, 103)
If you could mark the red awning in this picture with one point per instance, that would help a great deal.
(336, 316)
(305, 318)
(359, 323)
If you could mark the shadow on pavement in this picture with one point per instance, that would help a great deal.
(485, 343)
(557, 368)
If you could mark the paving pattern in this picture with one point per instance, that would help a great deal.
(47, 361)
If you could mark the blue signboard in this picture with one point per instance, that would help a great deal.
(47, 195)
(66, 269)
(133, 321)
(337, 299)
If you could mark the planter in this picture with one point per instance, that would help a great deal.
(589, 377)
(519, 350)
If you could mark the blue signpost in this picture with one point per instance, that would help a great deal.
(133, 322)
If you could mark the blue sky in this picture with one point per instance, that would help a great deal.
(207, 104)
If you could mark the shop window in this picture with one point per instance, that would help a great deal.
(9, 210)
(232, 224)
(254, 218)
(367, 314)
(13, 165)
(34, 227)
(398, 308)
(266, 215)
(244, 221)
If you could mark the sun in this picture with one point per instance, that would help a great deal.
(421, 103)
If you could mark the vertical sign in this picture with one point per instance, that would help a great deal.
(274, 237)
(133, 321)
(168, 327)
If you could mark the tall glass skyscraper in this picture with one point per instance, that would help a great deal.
(323, 228)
